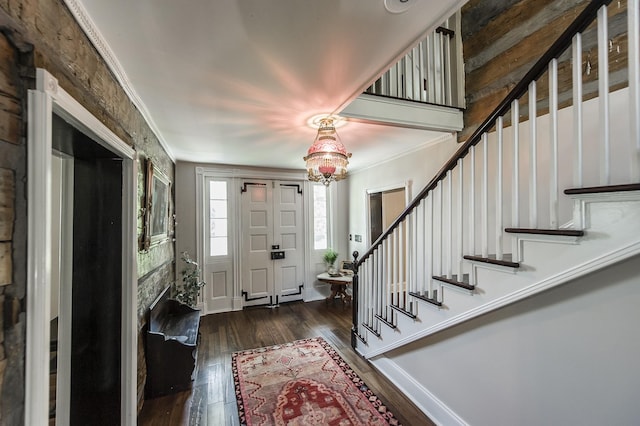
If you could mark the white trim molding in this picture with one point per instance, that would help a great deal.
(427, 402)
(42, 103)
(91, 31)
(38, 259)
(403, 113)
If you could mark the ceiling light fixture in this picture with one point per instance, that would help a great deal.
(327, 157)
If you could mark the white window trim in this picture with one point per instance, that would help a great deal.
(231, 223)
(46, 99)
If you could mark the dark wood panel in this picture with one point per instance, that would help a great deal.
(480, 37)
(212, 399)
(500, 50)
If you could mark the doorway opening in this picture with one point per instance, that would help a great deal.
(86, 293)
(384, 207)
(81, 275)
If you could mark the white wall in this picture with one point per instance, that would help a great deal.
(417, 168)
(565, 357)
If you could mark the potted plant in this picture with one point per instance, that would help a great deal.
(329, 258)
(189, 290)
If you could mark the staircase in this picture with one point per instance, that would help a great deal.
(545, 191)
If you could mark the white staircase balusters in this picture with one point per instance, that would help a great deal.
(633, 22)
(449, 227)
(472, 200)
(485, 196)
(603, 95)
(439, 231)
(381, 288)
(499, 230)
(387, 265)
(414, 238)
(402, 265)
(447, 77)
(457, 255)
(553, 139)
(427, 73)
(533, 157)
(515, 200)
(578, 139)
(431, 244)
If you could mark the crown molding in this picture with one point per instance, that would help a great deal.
(95, 37)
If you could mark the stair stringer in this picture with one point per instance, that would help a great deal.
(612, 235)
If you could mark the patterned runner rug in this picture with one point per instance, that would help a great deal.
(304, 382)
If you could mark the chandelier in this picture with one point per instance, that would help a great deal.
(327, 157)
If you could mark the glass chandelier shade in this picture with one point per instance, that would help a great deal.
(327, 158)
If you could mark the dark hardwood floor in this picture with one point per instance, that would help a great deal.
(212, 400)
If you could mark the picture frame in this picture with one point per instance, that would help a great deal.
(346, 267)
(157, 204)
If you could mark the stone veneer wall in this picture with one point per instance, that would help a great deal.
(44, 34)
(13, 241)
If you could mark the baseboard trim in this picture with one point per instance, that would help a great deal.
(427, 402)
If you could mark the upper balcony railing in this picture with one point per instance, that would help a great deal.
(431, 72)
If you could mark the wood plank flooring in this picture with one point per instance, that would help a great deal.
(212, 399)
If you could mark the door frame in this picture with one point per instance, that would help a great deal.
(46, 99)
(235, 176)
(272, 200)
(406, 185)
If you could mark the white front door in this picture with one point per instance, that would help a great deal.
(272, 242)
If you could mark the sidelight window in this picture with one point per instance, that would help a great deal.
(218, 218)
(320, 221)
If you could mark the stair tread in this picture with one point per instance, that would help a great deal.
(454, 281)
(539, 231)
(491, 259)
(371, 329)
(385, 321)
(426, 298)
(603, 189)
(403, 311)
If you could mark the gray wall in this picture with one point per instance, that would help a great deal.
(565, 357)
(417, 167)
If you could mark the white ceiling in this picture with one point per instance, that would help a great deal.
(235, 81)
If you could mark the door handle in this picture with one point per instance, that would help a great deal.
(277, 255)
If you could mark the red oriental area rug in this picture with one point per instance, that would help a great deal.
(304, 382)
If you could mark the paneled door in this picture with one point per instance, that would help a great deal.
(272, 264)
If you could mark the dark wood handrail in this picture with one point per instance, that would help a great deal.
(563, 42)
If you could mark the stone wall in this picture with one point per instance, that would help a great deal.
(45, 35)
(12, 235)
